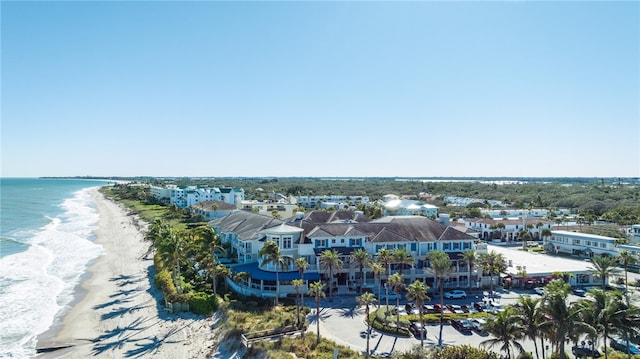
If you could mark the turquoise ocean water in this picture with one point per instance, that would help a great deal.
(46, 243)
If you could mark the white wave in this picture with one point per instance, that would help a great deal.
(39, 283)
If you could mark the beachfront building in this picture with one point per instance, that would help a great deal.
(581, 244)
(308, 235)
(508, 230)
(524, 213)
(187, 196)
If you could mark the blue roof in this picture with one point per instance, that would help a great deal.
(258, 274)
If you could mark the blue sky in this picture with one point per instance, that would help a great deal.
(418, 89)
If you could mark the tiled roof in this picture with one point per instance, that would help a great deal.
(245, 224)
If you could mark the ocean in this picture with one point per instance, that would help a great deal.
(46, 244)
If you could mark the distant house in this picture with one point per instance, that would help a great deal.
(408, 207)
(489, 228)
(212, 209)
(284, 209)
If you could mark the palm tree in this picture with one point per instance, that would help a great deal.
(492, 263)
(271, 254)
(604, 267)
(397, 284)
(377, 271)
(241, 277)
(385, 257)
(627, 259)
(563, 320)
(212, 240)
(469, 257)
(297, 284)
(418, 291)
(302, 265)
(506, 331)
(170, 251)
(402, 257)
(316, 289)
(361, 258)
(441, 268)
(530, 316)
(330, 260)
(365, 300)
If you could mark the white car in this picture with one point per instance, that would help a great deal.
(456, 294)
(539, 290)
(478, 324)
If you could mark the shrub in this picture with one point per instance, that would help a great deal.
(203, 303)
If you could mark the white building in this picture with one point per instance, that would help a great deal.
(187, 196)
(313, 201)
(580, 244)
(489, 228)
(408, 207)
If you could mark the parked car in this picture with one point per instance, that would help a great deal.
(478, 324)
(455, 308)
(418, 330)
(480, 306)
(585, 351)
(428, 308)
(539, 290)
(578, 291)
(456, 294)
(392, 296)
(621, 345)
(463, 326)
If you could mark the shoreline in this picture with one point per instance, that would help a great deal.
(116, 312)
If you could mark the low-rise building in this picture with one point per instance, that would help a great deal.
(343, 231)
(508, 229)
(580, 244)
(187, 196)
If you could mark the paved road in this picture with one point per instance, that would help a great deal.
(343, 322)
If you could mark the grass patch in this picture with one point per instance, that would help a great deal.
(304, 346)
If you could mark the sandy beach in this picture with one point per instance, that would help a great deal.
(118, 313)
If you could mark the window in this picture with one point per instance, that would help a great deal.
(341, 240)
(286, 242)
(321, 243)
(414, 247)
(333, 241)
(445, 246)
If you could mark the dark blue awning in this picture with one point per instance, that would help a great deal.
(258, 274)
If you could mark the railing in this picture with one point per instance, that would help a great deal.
(270, 334)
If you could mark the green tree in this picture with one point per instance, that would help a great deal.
(385, 257)
(469, 258)
(418, 291)
(506, 330)
(441, 268)
(316, 290)
(626, 259)
(530, 317)
(396, 281)
(402, 257)
(604, 267)
(361, 258)
(492, 263)
(271, 253)
(212, 241)
(330, 260)
(377, 269)
(302, 265)
(365, 300)
(171, 252)
(297, 284)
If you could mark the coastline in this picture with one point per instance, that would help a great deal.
(116, 311)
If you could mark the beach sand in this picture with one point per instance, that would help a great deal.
(118, 312)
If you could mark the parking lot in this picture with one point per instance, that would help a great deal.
(343, 322)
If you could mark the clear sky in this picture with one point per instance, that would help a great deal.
(504, 88)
